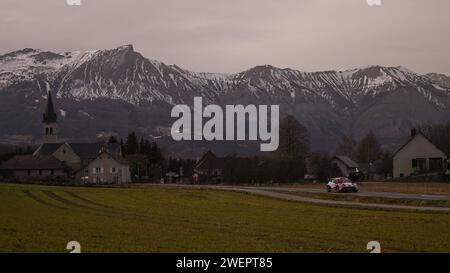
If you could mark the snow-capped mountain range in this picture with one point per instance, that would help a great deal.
(90, 85)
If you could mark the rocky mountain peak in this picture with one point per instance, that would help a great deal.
(93, 85)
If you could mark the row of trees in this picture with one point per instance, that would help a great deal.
(367, 152)
(148, 162)
(438, 134)
(146, 158)
(290, 160)
(285, 164)
(289, 163)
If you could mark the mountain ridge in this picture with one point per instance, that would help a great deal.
(330, 103)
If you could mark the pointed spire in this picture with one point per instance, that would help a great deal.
(49, 113)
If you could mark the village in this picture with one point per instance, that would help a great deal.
(230, 136)
(110, 162)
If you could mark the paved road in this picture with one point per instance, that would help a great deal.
(394, 195)
(291, 197)
(274, 192)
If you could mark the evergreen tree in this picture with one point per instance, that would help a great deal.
(112, 140)
(131, 144)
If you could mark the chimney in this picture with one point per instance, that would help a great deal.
(413, 132)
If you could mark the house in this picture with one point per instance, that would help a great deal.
(210, 168)
(93, 163)
(25, 167)
(106, 168)
(171, 178)
(345, 165)
(418, 156)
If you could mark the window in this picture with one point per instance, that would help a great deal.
(113, 170)
(40, 172)
(419, 164)
(52, 172)
(436, 164)
(28, 172)
(98, 170)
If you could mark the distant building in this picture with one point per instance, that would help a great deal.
(105, 168)
(171, 177)
(418, 156)
(23, 167)
(345, 165)
(93, 163)
(50, 127)
(211, 169)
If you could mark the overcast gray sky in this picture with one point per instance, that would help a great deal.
(234, 35)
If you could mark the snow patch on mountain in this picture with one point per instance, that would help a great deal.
(123, 74)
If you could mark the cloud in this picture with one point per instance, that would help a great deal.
(232, 35)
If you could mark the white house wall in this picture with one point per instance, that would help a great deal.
(419, 147)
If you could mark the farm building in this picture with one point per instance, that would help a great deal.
(213, 169)
(210, 168)
(346, 165)
(419, 156)
(25, 166)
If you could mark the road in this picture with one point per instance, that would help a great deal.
(284, 193)
(394, 195)
(292, 197)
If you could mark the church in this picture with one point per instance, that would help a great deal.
(64, 162)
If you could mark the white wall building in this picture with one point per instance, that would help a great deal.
(418, 156)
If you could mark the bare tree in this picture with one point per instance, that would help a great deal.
(294, 139)
(347, 146)
(368, 150)
(439, 135)
(289, 159)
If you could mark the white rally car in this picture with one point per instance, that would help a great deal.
(341, 184)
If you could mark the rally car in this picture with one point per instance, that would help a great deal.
(341, 184)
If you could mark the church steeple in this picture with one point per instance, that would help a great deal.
(49, 113)
(49, 122)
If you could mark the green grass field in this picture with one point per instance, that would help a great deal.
(157, 219)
